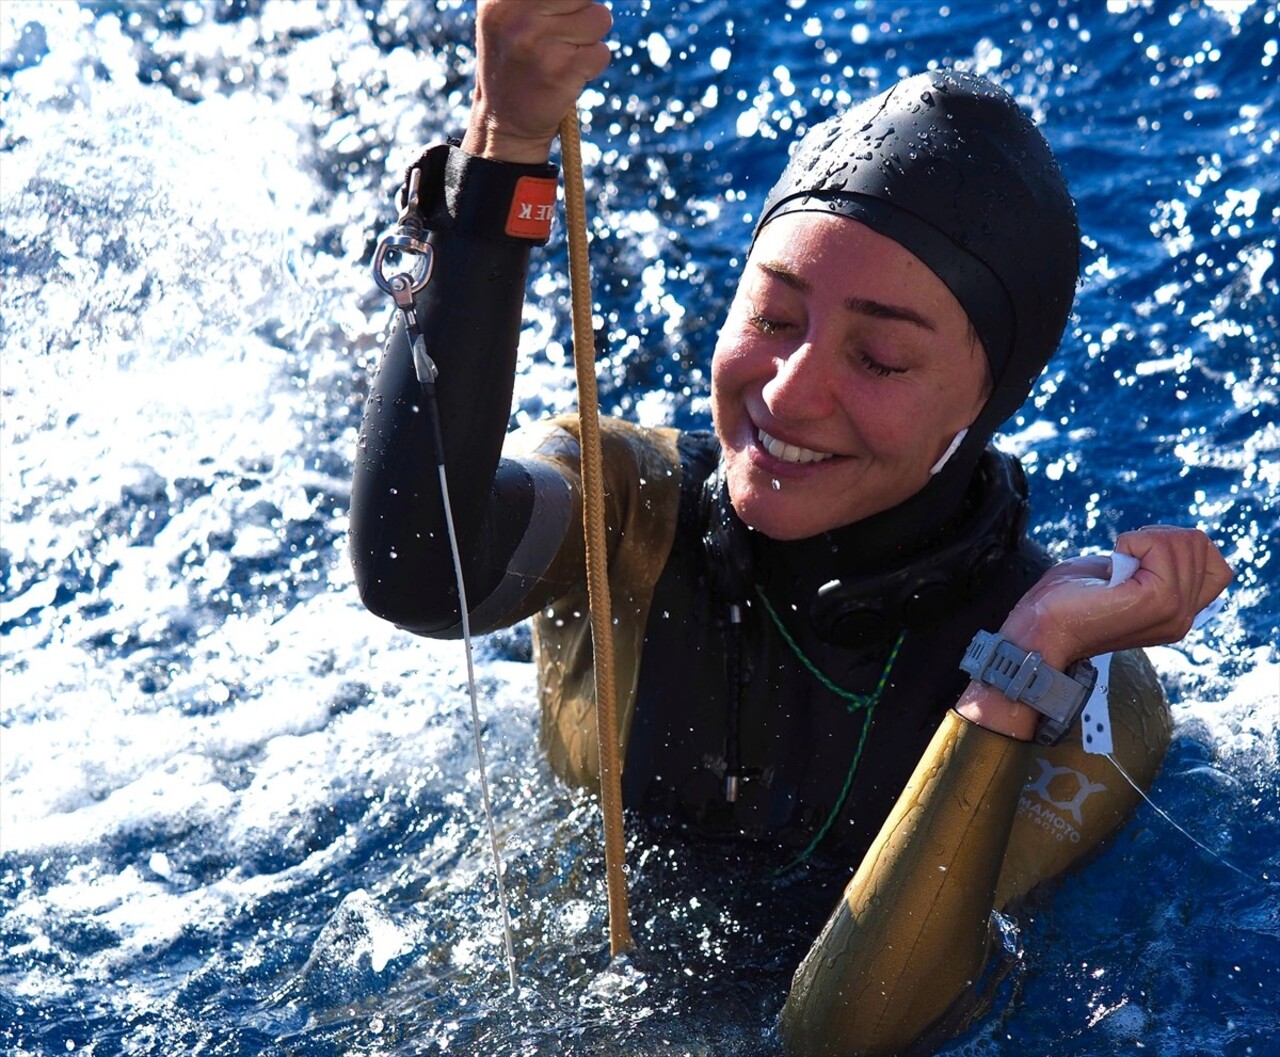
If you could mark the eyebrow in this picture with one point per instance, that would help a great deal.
(862, 305)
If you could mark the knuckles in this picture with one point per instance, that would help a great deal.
(598, 20)
(553, 44)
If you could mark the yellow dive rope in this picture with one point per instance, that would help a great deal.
(584, 355)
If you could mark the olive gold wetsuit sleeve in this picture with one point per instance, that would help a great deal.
(982, 820)
(910, 933)
(470, 314)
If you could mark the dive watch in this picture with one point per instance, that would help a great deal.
(1025, 677)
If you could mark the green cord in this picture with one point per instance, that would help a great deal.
(853, 702)
(856, 701)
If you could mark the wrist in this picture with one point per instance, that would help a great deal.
(484, 139)
(1022, 677)
(987, 707)
(483, 198)
(1026, 628)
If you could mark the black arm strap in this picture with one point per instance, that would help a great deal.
(483, 198)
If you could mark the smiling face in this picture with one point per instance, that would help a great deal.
(842, 374)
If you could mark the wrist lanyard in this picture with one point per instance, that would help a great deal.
(406, 240)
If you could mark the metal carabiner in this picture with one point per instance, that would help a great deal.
(403, 242)
(405, 239)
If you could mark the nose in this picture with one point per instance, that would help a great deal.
(801, 387)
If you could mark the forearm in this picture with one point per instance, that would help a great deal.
(469, 313)
(484, 208)
(911, 932)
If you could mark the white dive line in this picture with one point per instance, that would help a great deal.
(1123, 566)
(1164, 815)
(475, 726)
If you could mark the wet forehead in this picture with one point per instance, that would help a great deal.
(838, 259)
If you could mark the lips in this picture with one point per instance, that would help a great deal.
(792, 453)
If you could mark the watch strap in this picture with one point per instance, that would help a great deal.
(1023, 676)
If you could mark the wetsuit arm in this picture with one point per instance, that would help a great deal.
(905, 947)
(911, 931)
(470, 315)
(1075, 800)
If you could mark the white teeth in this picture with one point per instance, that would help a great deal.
(789, 452)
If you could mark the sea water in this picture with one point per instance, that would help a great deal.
(239, 815)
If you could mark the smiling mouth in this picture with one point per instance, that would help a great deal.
(790, 452)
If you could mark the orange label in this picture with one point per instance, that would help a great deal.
(532, 208)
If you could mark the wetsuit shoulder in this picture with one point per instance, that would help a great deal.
(642, 485)
(642, 471)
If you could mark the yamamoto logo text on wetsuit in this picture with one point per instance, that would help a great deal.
(1050, 819)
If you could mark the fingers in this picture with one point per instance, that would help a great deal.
(1072, 612)
(536, 34)
(586, 24)
(534, 57)
(1093, 566)
(1182, 568)
(556, 40)
(591, 61)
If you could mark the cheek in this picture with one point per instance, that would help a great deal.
(902, 425)
(888, 432)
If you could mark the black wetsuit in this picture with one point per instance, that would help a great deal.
(744, 699)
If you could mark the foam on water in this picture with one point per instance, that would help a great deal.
(240, 816)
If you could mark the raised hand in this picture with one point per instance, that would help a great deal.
(1072, 613)
(533, 59)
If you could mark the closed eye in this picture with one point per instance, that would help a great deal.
(767, 326)
(878, 368)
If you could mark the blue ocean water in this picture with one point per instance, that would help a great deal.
(238, 815)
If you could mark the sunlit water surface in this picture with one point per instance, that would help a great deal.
(241, 816)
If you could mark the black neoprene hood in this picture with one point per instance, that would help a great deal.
(947, 165)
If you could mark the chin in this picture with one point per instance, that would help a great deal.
(771, 518)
